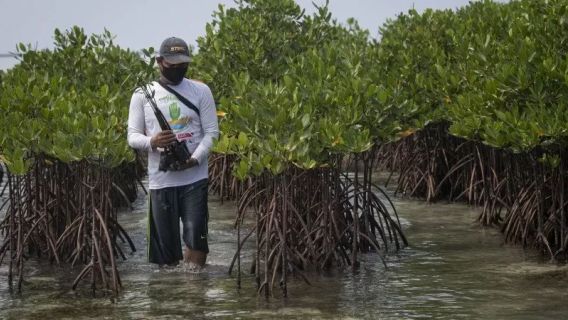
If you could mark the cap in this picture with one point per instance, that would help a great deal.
(174, 50)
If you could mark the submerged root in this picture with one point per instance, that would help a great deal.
(314, 220)
(66, 214)
(517, 192)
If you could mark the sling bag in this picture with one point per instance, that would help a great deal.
(180, 97)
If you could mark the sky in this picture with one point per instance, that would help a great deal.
(139, 24)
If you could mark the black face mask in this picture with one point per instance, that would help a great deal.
(174, 75)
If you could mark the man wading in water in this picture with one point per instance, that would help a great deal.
(176, 191)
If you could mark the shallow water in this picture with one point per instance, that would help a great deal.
(453, 269)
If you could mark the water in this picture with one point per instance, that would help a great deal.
(453, 269)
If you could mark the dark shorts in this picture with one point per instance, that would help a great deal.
(167, 207)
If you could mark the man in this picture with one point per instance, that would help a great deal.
(179, 193)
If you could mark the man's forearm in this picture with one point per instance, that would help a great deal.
(209, 125)
(202, 150)
(139, 141)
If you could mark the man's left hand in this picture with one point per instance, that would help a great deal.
(191, 162)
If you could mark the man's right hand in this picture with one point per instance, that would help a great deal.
(163, 139)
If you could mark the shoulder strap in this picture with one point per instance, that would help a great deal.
(180, 97)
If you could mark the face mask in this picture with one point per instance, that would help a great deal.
(174, 75)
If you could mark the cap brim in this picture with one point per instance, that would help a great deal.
(176, 59)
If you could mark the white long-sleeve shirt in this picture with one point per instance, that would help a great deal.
(198, 131)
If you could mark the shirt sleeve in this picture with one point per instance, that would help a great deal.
(137, 138)
(209, 125)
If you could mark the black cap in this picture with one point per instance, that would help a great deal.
(174, 50)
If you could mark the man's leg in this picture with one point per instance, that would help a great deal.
(194, 256)
(164, 245)
(194, 216)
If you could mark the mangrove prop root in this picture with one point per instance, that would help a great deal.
(222, 182)
(67, 213)
(313, 220)
(523, 196)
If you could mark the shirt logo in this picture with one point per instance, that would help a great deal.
(177, 123)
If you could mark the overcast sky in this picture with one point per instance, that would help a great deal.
(140, 24)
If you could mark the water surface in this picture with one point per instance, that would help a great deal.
(453, 269)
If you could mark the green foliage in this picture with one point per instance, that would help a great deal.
(70, 103)
(294, 87)
(302, 88)
(497, 72)
(297, 89)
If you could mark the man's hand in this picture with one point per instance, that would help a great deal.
(163, 139)
(191, 162)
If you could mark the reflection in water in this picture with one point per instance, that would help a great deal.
(453, 269)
